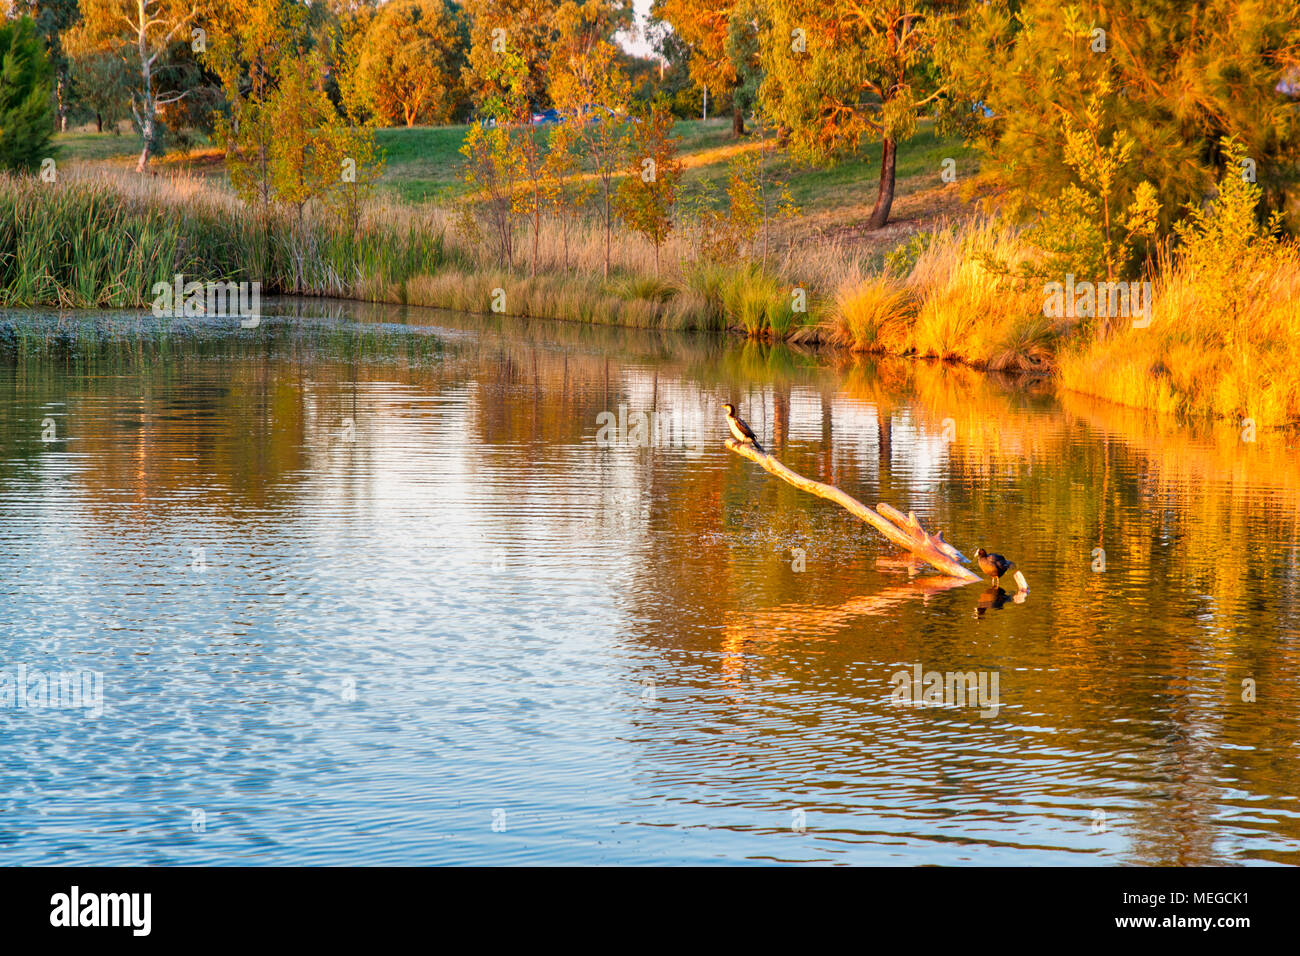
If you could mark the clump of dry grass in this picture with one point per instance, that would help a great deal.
(872, 314)
(952, 304)
(972, 312)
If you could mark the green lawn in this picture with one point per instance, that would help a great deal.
(918, 166)
(850, 181)
(422, 162)
(89, 145)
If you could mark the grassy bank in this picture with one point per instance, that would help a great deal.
(1224, 339)
(106, 241)
(1223, 342)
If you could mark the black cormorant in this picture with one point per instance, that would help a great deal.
(739, 429)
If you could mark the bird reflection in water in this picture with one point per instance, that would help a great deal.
(993, 599)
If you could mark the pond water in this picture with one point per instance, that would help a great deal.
(371, 585)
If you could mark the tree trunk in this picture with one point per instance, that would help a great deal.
(780, 415)
(537, 227)
(150, 109)
(609, 227)
(99, 123)
(885, 195)
(61, 96)
(792, 622)
(145, 151)
(884, 438)
(737, 121)
(827, 455)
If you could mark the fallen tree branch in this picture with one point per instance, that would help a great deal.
(912, 525)
(904, 531)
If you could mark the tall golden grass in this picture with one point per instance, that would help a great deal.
(1224, 345)
(952, 305)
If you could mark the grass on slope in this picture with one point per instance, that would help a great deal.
(423, 163)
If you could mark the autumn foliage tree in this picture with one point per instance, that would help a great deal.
(286, 143)
(592, 92)
(248, 42)
(305, 157)
(492, 164)
(523, 28)
(146, 28)
(528, 151)
(568, 190)
(344, 41)
(648, 193)
(409, 63)
(705, 26)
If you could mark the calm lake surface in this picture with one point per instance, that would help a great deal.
(366, 585)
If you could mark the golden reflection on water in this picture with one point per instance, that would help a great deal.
(409, 459)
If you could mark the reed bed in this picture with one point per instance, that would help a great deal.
(106, 241)
(84, 243)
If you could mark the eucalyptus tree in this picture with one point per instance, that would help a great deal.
(838, 73)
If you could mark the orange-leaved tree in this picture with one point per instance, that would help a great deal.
(591, 91)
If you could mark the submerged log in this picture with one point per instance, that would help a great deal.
(904, 531)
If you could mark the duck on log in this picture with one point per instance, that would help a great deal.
(902, 530)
